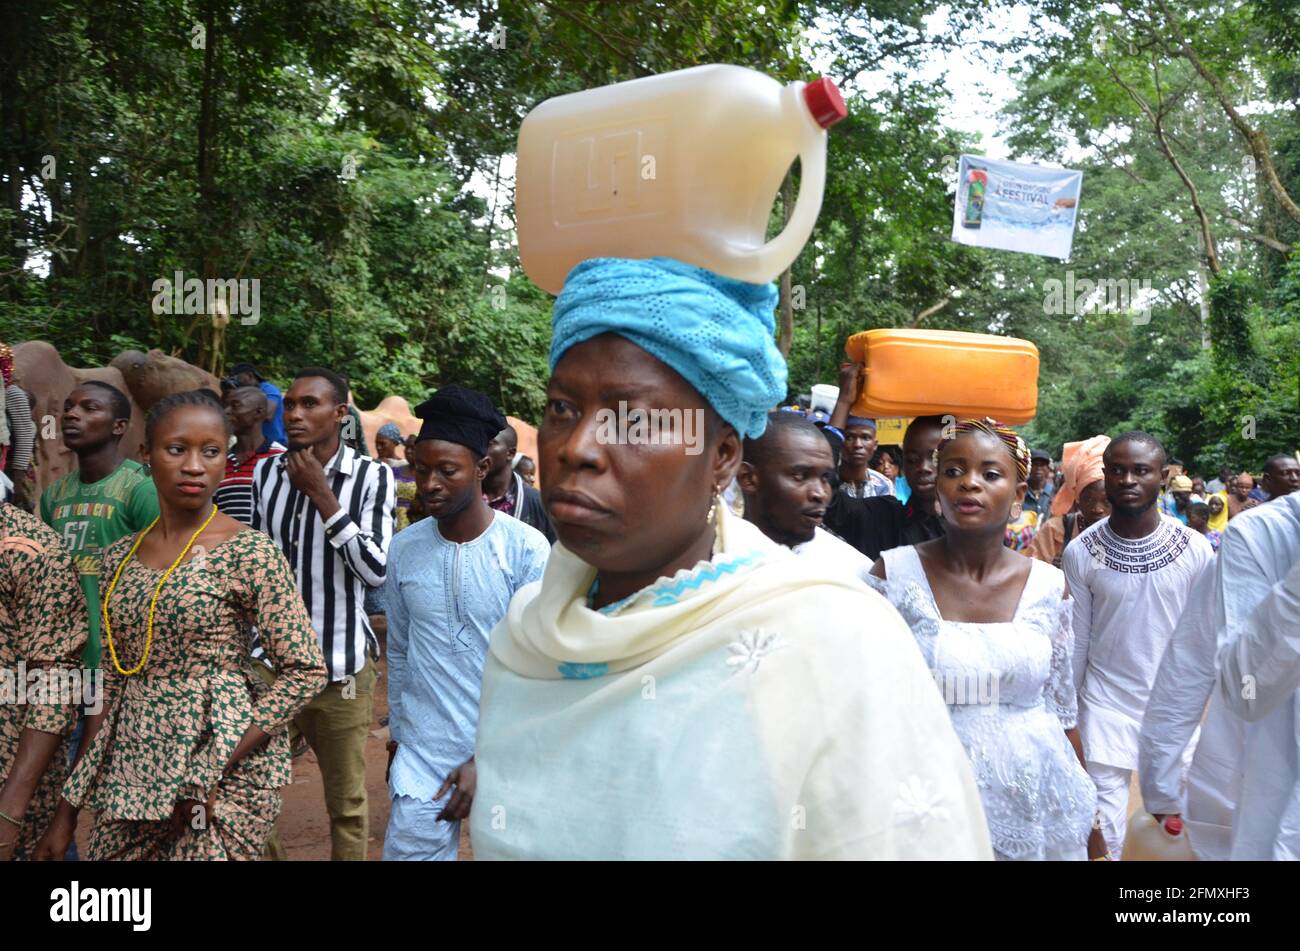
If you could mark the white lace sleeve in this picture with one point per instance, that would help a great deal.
(1060, 693)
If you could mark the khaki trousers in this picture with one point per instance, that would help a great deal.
(336, 724)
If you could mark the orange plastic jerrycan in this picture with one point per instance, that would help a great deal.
(684, 164)
(937, 372)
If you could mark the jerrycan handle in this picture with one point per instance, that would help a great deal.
(822, 100)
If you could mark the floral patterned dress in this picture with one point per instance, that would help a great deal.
(43, 629)
(169, 730)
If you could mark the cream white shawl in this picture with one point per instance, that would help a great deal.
(747, 708)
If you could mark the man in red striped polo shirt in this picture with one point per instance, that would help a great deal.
(247, 408)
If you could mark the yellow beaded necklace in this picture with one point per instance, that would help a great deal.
(153, 602)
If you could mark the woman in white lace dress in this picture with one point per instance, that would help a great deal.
(994, 627)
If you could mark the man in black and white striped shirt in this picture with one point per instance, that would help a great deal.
(331, 512)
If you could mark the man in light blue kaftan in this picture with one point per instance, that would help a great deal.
(450, 580)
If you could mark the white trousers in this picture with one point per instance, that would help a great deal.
(415, 835)
(1112, 784)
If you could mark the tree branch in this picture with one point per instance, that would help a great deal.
(930, 311)
(1156, 119)
(628, 58)
(1256, 139)
(1243, 231)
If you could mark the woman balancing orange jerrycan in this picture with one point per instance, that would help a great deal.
(684, 164)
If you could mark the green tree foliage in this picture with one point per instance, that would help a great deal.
(354, 156)
(1234, 351)
(1112, 90)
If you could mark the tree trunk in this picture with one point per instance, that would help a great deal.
(785, 334)
(492, 220)
(817, 374)
(1203, 285)
(205, 163)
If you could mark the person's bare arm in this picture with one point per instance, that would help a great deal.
(850, 380)
(54, 843)
(1076, 741)
(35, 750)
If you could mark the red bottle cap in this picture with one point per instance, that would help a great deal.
(1173, 825)
(824, 102)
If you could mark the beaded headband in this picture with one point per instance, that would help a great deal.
(1010, 439)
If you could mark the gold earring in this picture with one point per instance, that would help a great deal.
(1016, 510)
(713, 506)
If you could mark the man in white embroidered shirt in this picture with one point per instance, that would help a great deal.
(1131, 575)
(331, 511)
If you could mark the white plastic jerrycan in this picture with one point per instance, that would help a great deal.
(1150, 841)
(684, 164)
(824, 397)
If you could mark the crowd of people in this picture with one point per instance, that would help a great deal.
(791, 642)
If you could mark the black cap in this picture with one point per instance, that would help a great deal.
(1039, 456)
(239, 368)
(458, 414)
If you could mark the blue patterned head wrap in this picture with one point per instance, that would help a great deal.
(390, 432)
(716, 332)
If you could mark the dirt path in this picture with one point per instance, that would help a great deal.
(304, 825)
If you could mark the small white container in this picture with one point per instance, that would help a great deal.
(824, 397)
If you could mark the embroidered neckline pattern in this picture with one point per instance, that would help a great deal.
(668, 591)
(672, 592)
(575, 671)
(1136, 556)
